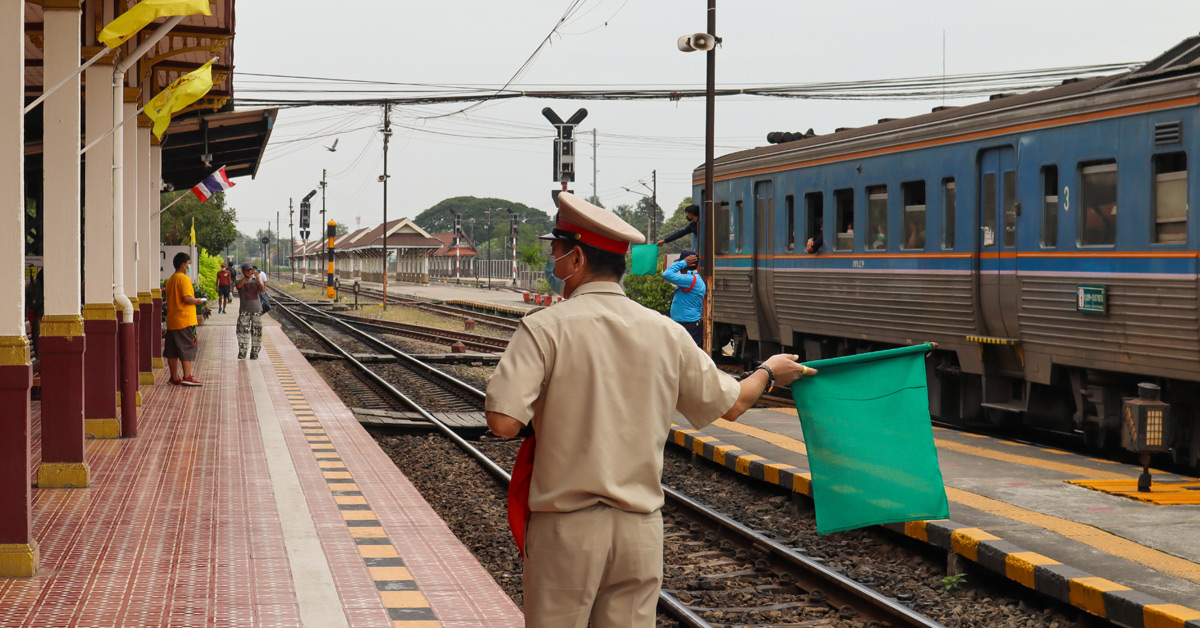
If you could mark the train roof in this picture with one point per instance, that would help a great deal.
(1155, 80)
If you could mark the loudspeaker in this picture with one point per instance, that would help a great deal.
(697, 41)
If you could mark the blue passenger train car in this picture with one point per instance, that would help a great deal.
(1045, 241)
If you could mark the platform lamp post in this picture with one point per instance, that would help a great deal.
(513, 235)
(708, 43)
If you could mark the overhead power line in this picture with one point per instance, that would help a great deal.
(914, 88)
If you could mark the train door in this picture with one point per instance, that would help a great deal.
(763, 260)
(998, 242)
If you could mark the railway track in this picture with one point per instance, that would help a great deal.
(435, 335)
(501, 322)
(706, 552)
(428, 386)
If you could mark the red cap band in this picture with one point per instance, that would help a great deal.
(595, 239)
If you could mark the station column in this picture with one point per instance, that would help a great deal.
(154, 248)
(99, 314)
(62, 341)
(129, 213)
(18, 549)
(145, 255)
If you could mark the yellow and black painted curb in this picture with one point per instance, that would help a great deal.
(488, 308)
(406, 605)
(1098, 596)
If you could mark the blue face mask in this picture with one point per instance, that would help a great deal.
(556, 284)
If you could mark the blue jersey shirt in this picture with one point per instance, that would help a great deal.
(689, 292)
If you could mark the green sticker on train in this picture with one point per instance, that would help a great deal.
(1091, 299)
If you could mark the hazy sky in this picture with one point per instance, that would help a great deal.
(503, 148)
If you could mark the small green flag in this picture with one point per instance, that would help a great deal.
(645, 260)
(870, 441)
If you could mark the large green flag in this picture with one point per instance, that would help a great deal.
(645, 260)
(870, 442)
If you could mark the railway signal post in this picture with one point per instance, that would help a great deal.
(330, 234)
(564, 147)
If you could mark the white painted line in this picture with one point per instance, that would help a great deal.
(315, 591)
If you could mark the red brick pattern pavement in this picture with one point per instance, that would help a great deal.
(180, 528)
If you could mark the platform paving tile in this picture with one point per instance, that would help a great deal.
(459, 590)
(181, 528)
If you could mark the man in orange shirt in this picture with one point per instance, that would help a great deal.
(181, 343)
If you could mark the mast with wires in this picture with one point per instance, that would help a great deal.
(387, 135)
(595, 196)
(324, 246)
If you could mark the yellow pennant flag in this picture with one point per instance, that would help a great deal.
(193, 232)
(186, 90)
(136, 18)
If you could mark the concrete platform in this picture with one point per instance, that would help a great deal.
(448, 292)
(1013, 509)
(255, 500)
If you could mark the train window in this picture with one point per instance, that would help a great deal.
(790, 208)
(1170, 198)
(1010, 208)
(814, 206)
(989, 209)
(844, 201)
(1098, 198)
(877, 219)
(948, 213)
(1049, 206)
(721, 233)
(738, 227)
(913, 236)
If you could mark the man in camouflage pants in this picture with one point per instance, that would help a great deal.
(249, 325)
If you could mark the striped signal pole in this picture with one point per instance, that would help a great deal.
(330, 232)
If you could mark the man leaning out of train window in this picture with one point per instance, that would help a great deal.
(815, 242)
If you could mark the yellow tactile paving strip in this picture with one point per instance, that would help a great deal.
(407, 606)
(1161, 493)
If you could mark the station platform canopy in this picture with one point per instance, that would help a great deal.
(209, 127)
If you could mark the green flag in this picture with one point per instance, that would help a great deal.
(645, 260)
(870, 442)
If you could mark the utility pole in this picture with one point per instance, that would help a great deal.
(387, 135)
(324, 245)
(654, 206)
(489, 262)
(709, 192)
(291, 240)
(595, 197)
(278, 259)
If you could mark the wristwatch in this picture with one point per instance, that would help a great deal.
(770, 377)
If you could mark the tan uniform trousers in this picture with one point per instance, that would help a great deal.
(600, 564)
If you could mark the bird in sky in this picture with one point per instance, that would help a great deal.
(332, 149)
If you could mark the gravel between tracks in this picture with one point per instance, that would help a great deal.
(892, 564)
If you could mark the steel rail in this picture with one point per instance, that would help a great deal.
(488, 343)
(440, 308)
(839, 589)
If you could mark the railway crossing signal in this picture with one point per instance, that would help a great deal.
(564, 144)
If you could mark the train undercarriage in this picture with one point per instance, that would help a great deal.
(1087, 407)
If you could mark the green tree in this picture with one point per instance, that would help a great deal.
(651, 291)
(533, 256)
(439, 219)
(215, 221)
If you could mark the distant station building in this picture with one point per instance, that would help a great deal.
(358, 254)
(463, 253)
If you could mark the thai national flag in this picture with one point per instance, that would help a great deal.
(213, 183)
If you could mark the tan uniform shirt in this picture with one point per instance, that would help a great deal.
(601, 377)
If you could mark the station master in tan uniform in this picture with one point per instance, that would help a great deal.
(598, 379)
